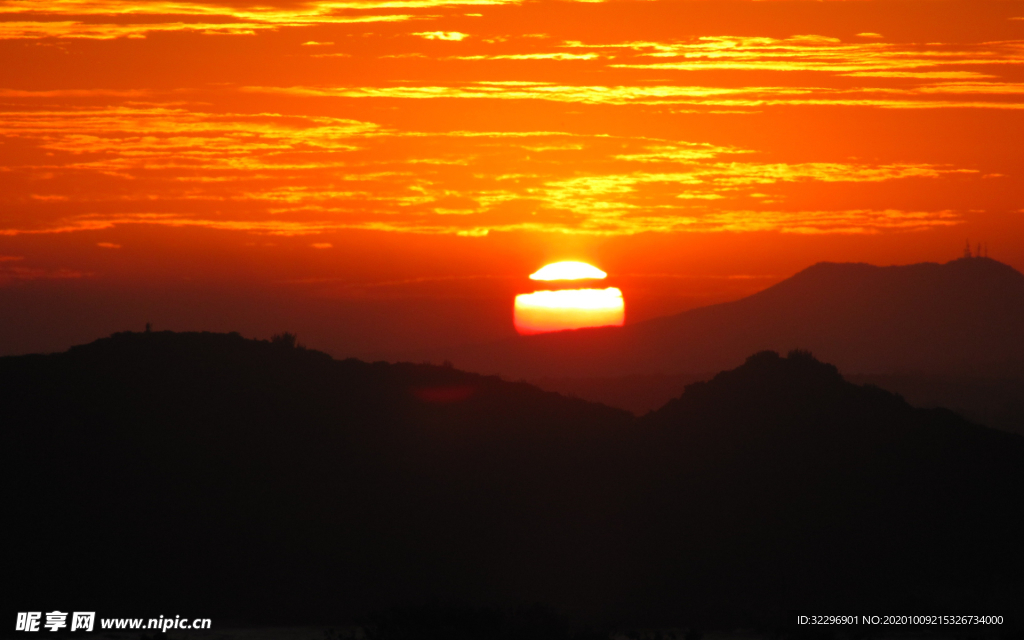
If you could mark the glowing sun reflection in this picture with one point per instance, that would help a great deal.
(543, 311)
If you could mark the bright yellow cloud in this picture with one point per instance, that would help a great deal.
(282, 174)
(955, 94)
(453, 36)
(35, 19)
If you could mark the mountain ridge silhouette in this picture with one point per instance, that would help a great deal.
(224, 477)
(966, 315)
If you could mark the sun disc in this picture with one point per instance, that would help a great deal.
(569, 270)
(544, 311)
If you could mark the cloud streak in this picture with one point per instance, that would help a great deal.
(282, 174)
(953, 94)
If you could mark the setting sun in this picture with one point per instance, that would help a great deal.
(543, 311)
(569, 270)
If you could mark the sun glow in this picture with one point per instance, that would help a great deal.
(544, 311)
(569, 270)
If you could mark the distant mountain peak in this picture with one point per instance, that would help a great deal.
(797, 364)
(984, 264)
(982, 267)
(966, 315)
(768, 383)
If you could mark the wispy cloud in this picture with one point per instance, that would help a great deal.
(453, 36)
(9, 273)
(955, 94)
(110, 19)
(809, 53)
(294, 175)
(32, 30)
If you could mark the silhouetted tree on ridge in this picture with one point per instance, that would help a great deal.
(285, 340)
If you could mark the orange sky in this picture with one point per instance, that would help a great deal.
(382, 176)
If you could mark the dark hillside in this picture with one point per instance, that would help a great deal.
(211, 475)
(995, 401)
(809, 489)
(197, 471)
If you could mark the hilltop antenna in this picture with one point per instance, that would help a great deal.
(967, 249)
(986, 249)
(977, 254)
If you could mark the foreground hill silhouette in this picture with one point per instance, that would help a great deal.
(206, 474)
(965, 316)
(992, 400)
